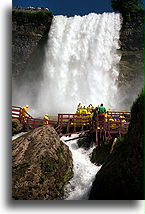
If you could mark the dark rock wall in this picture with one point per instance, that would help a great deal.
(29, 36)
(131, 64)
(41, 165)
(121, 176)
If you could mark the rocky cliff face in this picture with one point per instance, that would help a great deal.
(131, 64)
(121, 176)
(41, 165)
(29, 35)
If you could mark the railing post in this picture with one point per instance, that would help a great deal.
(120, 128)
(96, 128)
(61, 118)
(68, 124)
(104, 139)
(96, 137)
(75, 121)
(58, 120)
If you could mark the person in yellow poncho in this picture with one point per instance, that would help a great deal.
(112, 124)
(79, 107)
(107, 115)
(45, 119)
(122, 119)
(24, 114)
(25, 110)
(89, 108)
(83, 115)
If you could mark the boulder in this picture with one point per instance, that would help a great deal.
(41, 165)
(121, 176)
(86, 141)
(101, 153)
(17, 127)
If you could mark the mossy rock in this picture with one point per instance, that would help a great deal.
(17, 127)
(42, 165)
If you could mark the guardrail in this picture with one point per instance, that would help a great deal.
(28, 119)
(68, 124)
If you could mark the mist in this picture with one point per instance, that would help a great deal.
(80, 66)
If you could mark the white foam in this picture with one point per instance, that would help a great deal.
(14, 137)
(84, 172)
(80, 66)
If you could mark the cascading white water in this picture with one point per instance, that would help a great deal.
(80, 64)
(84, 172)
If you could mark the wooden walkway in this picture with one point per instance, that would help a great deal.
(67, 124)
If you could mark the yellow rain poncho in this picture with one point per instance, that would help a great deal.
(45, 119)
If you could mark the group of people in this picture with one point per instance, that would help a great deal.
(95, 112)
(105, 116)
(100, 113)
(24, 115)
(85, 109)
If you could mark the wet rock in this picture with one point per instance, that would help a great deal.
(17, 127)
(131, 66)
(86, 141)
(101, 153)
(41, 165)
(121, 176)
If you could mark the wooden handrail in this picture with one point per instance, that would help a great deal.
(71, 123)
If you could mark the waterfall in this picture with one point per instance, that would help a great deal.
(81, 63)
(80, 66)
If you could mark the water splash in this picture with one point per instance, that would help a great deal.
(84, 172)
(14, 137)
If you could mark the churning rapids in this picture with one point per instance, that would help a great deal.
(84, 172)
(80, 65)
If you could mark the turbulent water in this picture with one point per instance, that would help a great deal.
(18, 135)
(80, 65)
(84, 172)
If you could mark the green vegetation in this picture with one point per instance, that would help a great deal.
(32, 16)
(124, 6)
(127, 7)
